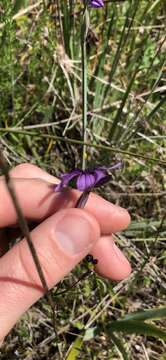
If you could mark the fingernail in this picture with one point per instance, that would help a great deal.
(119, 255)
(74, 235)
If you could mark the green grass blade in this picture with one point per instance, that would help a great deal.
(98, 85)
(119, 346)
(117, 118)
(66, 25)
(147, 315)
(18, 4)
(155, 109)
(123, 38)
(154, 4)
(75, 349)
(136, 327)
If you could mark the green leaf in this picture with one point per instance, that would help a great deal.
(90, 334)
(18, 4)
(147, 315)
(75, 349)
(137, 327)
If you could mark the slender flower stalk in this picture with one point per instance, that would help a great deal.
(84, 31)
(82, 200)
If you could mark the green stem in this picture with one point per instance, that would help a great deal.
(84, 30)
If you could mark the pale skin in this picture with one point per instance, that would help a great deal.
(20, 286)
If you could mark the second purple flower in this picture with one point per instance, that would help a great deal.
(96, 3)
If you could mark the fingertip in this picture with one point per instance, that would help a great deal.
(124, 217)
(29, 171)
(111, 261)
(112, 218)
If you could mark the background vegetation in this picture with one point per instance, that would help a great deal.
(41, 123)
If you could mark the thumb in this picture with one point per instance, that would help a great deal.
(61, 242)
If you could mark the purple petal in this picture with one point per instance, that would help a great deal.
(116, 166)
(85, 181)
(96, 3)
(58, 187)
(103, 180)
(67, 177)
(99, 174)
(102, 176)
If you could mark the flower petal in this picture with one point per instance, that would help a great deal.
(103, 180)
(96, 3)
(99, 174)
(66, 179)
(116, 166)
(58, 187)
(85, 181)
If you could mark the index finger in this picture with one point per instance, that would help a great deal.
(38, 201)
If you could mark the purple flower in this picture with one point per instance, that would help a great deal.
(86, 180)
(96, 3)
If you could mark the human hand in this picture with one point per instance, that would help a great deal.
(63, 237)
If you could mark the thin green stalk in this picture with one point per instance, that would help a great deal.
(84, 30)
(146, 258)
(118, 115)
(159, 229)
(99, 73)
(131, 133)
(123, 39)
(60, 23)
(153, 111)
